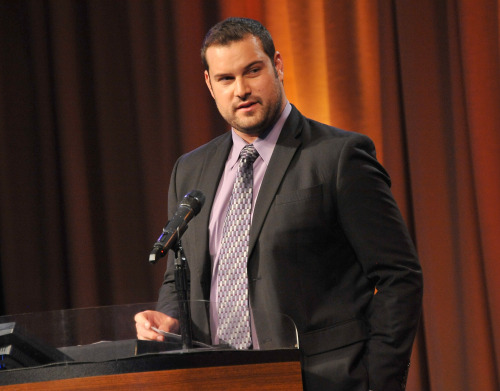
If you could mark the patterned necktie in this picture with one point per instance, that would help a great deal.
(234, 317)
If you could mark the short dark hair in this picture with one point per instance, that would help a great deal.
(234, 30)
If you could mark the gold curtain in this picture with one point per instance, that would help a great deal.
(423, 80)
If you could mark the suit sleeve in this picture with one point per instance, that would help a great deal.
(375, 229)
(167, 298)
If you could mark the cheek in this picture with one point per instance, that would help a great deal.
(223, 104)
(267, 88)
(223, 99)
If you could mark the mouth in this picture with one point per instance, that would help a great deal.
(246, 105)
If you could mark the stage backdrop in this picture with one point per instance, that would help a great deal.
(99, 98)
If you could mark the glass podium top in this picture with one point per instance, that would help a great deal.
(108, 333)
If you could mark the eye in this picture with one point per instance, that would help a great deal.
(254, 70)
(225, 79)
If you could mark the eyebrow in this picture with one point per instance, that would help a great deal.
(246, 68)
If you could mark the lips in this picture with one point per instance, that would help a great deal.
(245, 105)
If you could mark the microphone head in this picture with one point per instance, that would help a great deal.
(194, 200)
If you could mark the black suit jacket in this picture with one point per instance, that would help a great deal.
(326, 232)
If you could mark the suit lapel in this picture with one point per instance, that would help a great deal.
(285, 149)
(212, 169)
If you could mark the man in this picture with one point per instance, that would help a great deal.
(327, 244)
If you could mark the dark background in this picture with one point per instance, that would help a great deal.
(99, 98)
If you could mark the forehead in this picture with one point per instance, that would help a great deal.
(235, 55)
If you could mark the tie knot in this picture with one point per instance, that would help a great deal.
(248, 154)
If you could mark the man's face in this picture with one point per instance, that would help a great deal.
(246, 85)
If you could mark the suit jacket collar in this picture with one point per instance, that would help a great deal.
(213, 167)
(286, 147)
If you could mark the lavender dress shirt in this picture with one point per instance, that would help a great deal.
(265, 147)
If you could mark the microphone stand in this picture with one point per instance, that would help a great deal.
(181, 288)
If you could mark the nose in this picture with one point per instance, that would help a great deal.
(242, 88)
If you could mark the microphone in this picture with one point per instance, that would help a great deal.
(189, 207)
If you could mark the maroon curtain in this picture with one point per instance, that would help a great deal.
(99, 98)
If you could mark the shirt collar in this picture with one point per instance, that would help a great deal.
(265, 146)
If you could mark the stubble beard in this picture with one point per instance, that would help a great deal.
(269, 115)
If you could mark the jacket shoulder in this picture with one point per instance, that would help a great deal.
(318, 135)
(200, 153)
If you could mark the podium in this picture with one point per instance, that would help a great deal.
(96, 349)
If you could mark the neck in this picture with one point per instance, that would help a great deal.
(249, 138)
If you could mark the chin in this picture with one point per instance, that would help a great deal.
(254, 129)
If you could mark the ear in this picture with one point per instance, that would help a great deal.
(209, 83)
(278, 64)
